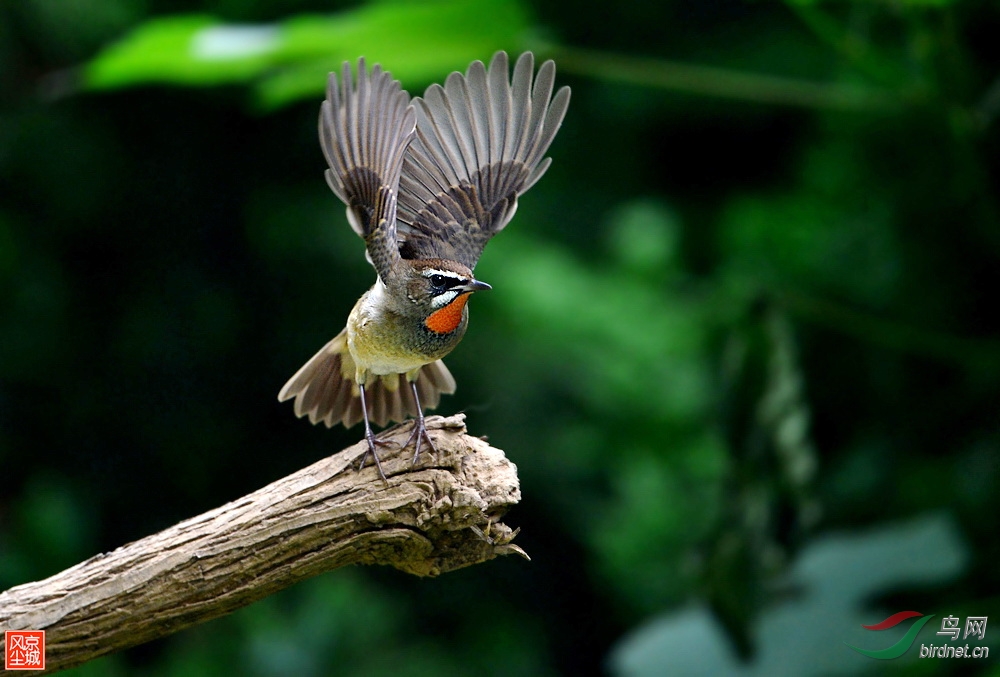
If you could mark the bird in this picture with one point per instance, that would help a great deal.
(427, 183)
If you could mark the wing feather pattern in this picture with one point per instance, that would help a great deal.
(365, 129)
(480, 142)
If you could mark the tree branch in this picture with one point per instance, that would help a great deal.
(440, 516)
(726, 83)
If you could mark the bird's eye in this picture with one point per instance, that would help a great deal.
(438, 280)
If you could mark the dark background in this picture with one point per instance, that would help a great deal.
(742, 344)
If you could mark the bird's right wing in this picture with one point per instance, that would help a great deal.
(481, 142)
(364, 130)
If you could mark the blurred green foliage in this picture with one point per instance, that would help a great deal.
(289, 60)
(750, 304)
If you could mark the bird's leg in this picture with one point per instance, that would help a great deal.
(419, 430)
(370, 436)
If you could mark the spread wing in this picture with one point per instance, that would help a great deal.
(480, 143)
(365, 130)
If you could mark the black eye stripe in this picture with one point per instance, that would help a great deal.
(443, 281)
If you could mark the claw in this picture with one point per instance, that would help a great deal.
(372, 444)
(419, 433)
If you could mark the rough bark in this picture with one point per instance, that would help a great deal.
(439, 516)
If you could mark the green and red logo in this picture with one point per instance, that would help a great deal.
(904, 643)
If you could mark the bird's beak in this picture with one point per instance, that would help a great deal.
(475, 285)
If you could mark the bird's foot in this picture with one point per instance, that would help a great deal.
(418, 436)
(373, 443)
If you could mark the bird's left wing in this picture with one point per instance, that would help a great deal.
(480, 143)
(364, 130)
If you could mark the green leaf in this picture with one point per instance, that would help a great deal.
(186, 49)
(289, 60)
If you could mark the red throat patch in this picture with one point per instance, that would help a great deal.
(446, 320)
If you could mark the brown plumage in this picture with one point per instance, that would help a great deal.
(427, 183)
(327, 392)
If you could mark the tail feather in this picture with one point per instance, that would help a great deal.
(324, 385)
(377, 405)
(440, 378)
(428, 393)
(397, 410)
(338, 397)
(324, 389)
(350, 415)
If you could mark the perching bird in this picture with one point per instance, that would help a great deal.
(427, 183)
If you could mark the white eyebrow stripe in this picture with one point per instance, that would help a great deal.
(446, 273)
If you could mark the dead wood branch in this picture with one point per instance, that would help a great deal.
(439, 516)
